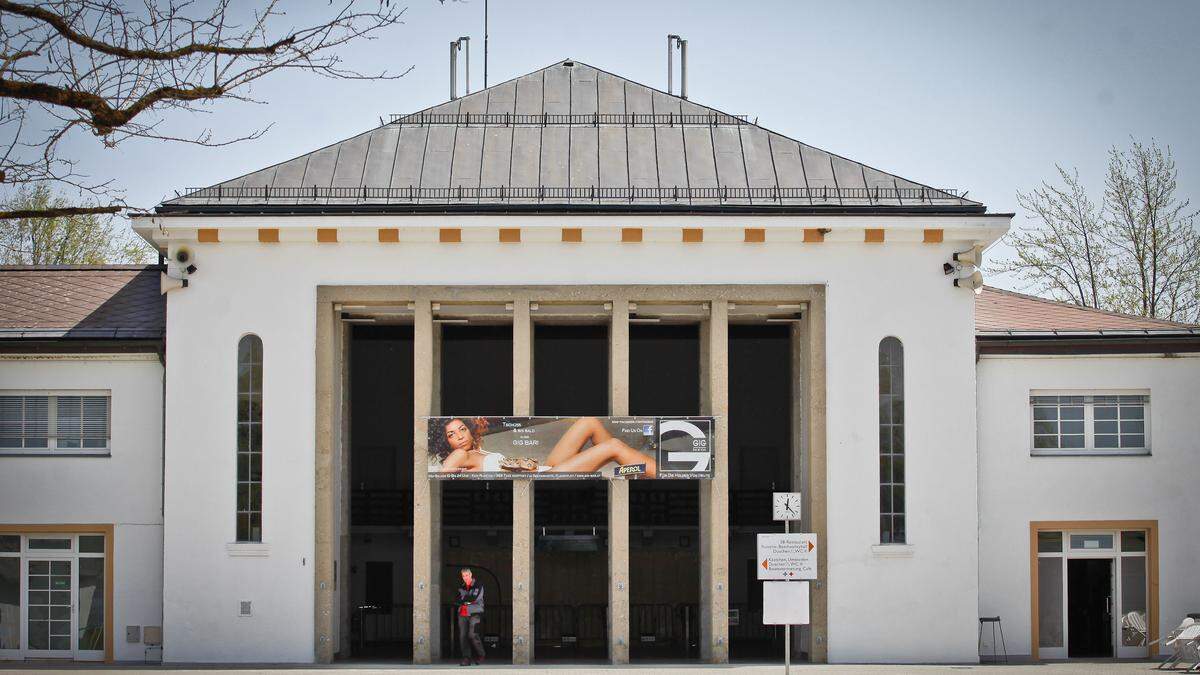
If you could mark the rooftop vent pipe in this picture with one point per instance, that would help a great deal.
(675, 40)
(456, 45)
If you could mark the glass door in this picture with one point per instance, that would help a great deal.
(1109, 594)
(48, 608)
(52, 597)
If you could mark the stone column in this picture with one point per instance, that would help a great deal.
(342, 493)
(437, 623)
(815, 446)
(327, 346)
(522, 500)
(801, 635)
(618, 492)
(426, 495)
(714, 493)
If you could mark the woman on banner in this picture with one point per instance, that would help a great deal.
(458, 446)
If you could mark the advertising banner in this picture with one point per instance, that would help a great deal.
(494, 448)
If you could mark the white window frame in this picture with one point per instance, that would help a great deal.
(24, 553)
(1089, 448)
(1118, 557)
(52, 448)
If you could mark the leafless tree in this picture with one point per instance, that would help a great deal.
(116, 70)
(1138, 252)
(1153, 236)
(1065, 257)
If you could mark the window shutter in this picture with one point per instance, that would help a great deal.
(12, 421)
(95, 422)
(68, 421)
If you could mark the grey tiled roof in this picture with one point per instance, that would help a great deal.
(81, 302)
(570, 134)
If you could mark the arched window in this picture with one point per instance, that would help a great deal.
(891, 442)
(249, 439)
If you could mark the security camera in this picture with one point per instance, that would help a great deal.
(974, 282)
(184, 257)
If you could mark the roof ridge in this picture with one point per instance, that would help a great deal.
(1093, 310)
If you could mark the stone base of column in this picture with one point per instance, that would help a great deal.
(618, 572)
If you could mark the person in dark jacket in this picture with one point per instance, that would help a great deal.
(469, 609)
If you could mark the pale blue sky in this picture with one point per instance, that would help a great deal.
(982, 96)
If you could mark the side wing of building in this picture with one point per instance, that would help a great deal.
(81, 458)
(1087, 463)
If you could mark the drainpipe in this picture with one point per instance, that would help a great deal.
(682, 68)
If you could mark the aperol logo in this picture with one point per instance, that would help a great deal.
(630, 470)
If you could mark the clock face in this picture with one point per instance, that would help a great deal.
(786, 505)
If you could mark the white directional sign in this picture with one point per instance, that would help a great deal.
(787, 556)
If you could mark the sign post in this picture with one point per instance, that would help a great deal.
(787, 557)
(787, 628)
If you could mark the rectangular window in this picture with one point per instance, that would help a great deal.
(44, 423)
(1090, 424)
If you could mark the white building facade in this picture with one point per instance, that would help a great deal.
(254, 533)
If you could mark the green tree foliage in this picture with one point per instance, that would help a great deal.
(81, 239)
(1136, 252)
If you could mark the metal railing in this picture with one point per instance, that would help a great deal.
(713, 119)
(373, 625)
(544, 193)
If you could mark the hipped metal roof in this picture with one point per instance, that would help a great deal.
(569, 136)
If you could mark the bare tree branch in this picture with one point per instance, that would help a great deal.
(59, 212)
(64, 29)
(1139, 253)
(121, 71)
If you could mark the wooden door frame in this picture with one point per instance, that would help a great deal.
(1151, 529)
(110, 545)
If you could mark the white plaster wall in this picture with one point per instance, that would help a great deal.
(1015, 488)
(880, 609)
(124, 489)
